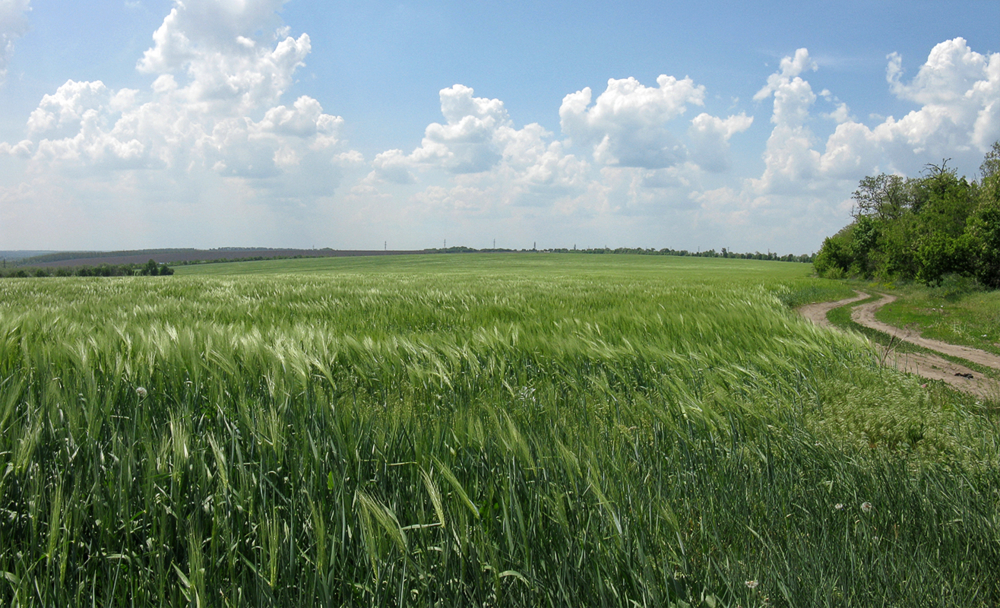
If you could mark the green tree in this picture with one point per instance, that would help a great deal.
(151, 269)
(882, 196)
(835, 257)
(947, 201)
(864, 237)
(896, 255)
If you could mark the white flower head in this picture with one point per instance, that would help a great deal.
(142, 392)
(838, 506)
(866, 507)
(752, 584)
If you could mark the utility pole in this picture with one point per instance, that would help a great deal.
(385, 247)
(446, 243)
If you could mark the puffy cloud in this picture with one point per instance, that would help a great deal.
(478, 163)
(788, 156)
(479, 145)
(12, 26)
(393, 166)
(194, 31)
(468, 142)
(951, 69)
(959, 91)
(792, 95)
(226, 71)
(62, 112)
(553, 169)
(626, 126)
(304, 119)
(710, 136)
(851, 152)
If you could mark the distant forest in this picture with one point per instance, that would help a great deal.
(927, 228)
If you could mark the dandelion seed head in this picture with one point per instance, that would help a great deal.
(752, 584)
(866, 507)
(838, 506)
(141, 391)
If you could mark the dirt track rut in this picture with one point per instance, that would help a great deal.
(865, 315)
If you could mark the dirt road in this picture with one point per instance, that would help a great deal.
(925, 365)
(865, 315)
(817, 312)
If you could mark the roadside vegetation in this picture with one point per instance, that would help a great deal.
(481, 430)
(935, 229)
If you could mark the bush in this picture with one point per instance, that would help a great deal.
(952, 286)
(834, 258)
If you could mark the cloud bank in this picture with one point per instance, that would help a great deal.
(215, 151)
(210, 131)
(631, 158)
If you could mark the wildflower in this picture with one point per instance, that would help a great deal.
(752, 584)
(866, 507)
(141, 392)
(838, 506)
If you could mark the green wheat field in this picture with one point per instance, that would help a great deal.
(478, 430)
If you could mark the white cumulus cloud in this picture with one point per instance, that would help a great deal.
(469, 142)
(710, 136)
(479, 146)
(958, 90)
(626, 126)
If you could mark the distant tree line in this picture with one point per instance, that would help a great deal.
(150, 268)
(710, 253)
(925, 228)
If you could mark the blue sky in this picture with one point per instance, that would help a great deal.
(209, 123)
